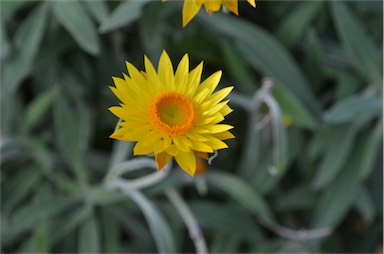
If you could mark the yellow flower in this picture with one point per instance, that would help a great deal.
(192, 7)
(171, 114)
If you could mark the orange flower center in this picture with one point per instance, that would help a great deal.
(172, 113)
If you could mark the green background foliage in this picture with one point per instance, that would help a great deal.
(313, 186)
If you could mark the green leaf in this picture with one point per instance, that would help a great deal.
(5, 46)
(9, 8)
(98, 8)
(89, 236)
(238, 69)
(347, 84)
(67, 133)
(23, 54)
(40, 242)
(112, 228)
(370, 149)
(151, 29)
(293, 26)
(365, 205)
(263, 178)
(354, 108)
(67, 224)
(157, 224)
(25, 182)
(357, 43)
(335, 201)
(41, 153)
(102, 196)
(222, 243)
(300, 197)
(124, 14)
(242, 192)
(216, 216)
(314, 59)
(293, 108)
(37, 108)
(279, 136)
(261, 51)
(335, 156)
(75, 20)
(29, 215)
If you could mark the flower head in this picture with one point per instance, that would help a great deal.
(171, 114)
(192, 7)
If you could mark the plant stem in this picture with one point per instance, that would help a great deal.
(189, 219)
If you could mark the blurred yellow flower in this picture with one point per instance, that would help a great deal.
(192, 7)
(171, 114)
(287, 121)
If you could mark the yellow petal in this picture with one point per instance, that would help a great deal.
(216, 144)
(135, 74)
(224, 135)
(162, 159)
(152, 76)
(135, 135)
(212, 6)
(172, 150)
(201, 155)
(215, 109)
(209, 120)
(194, 78)
(217, 128)
(181, 75)
(180, 145)
(217, 97)
(187, 161)
(252, 2)
(151, 138)
(140, 149)
(225, 110)
(190, 9)
(165, 71)
(119, 112)
(202, 147)
(210, 83)
(194, 137)
(200, 97)
(119, 134)
(231, 5)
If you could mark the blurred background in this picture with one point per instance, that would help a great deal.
(304, 174)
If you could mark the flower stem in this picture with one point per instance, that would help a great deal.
(189, 219)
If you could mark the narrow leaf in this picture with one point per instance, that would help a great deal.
(338, 197)
(357, 43)
(37, 108)
(124, 14)
(243, 193)
(335, 156)
(260, 50)
(365, 205)
(157, 223)
(89, 236)
(293, 108)
(370, 149)
(72, 17)
(23, 55)
(40, 242)
(354, 108)
(293, 26)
